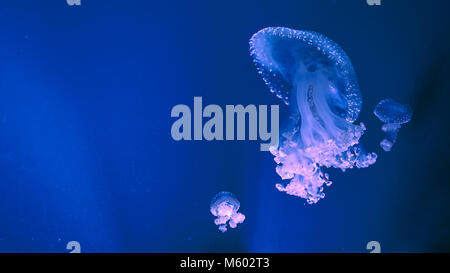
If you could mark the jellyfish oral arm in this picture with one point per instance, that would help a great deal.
(319, 124)
(391, 130)
(236, 219)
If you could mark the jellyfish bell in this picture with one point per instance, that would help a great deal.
(393, 114)
(289, 60)
(315, 77)
(224, 203)
(224, 206)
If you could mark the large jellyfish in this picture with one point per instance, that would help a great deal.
(393, 114)
(225, 206)
(314, 76)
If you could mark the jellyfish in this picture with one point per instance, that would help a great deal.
(393, 114)
(225, 206)
(314, 77)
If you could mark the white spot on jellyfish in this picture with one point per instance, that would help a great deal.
(314, 76)
(393, 114)
(225, 207)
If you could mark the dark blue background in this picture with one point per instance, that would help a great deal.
(85, 146)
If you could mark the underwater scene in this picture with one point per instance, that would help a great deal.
(224, 127)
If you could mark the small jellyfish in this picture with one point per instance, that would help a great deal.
(315, 78)
(393, 114)
(225, 207)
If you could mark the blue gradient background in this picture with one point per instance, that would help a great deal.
(85, 146)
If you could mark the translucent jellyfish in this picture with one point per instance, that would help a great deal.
(225, 207)
(393, 114)
(315, 78)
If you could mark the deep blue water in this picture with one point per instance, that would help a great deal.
(85, 147)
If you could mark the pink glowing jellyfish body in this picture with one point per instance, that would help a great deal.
(315, 78)
(224, 206)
